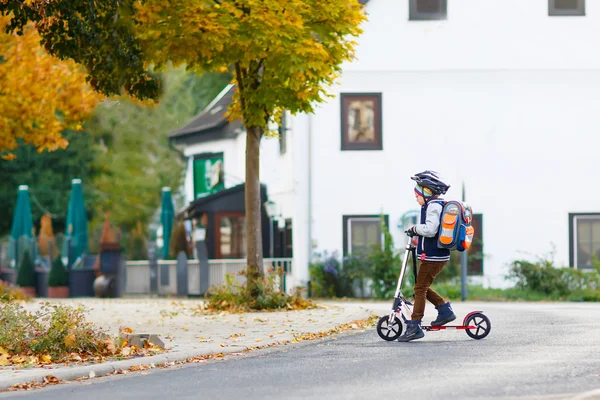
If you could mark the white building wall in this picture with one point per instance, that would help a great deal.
(478, 34)
(524, 143)
(500, 96)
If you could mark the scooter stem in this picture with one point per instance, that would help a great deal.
(407, 252)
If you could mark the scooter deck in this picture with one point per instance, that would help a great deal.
(441, 328)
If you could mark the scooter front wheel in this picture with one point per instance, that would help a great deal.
(482, 326)
(388, 331)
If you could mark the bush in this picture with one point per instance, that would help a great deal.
(386, 264)
(55, 330)
(58, 276)
(380, 268)
(11, 293)
(57, 333)
(235, 297)
(26, 274)
(325, 278)
(556, 283)
(357, 269)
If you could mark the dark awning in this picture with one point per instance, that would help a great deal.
(227, 200)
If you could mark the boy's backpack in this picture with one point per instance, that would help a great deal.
(456, 232)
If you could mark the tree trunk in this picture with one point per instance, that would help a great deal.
(254, 246)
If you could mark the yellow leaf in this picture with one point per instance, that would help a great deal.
(4, 360)
(17, 360)
(69, 340)
(46, 358)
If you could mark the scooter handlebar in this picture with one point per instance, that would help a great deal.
(409, 233)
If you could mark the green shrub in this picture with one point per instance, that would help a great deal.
(10, 293)
(235, 297)
(331, 278)
(26, 275)
(359, 269)
(385, 266)
(58, 276)
(556, 283)
(325, 277)
(55, 330)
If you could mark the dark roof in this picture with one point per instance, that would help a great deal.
(211, 117)
(226, 200)
(363, 1)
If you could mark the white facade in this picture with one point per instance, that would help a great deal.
(499, 95)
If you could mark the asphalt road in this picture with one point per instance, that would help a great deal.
(534, 351)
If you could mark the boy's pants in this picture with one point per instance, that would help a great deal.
(428, 270)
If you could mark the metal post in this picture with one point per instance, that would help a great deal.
(463, 263)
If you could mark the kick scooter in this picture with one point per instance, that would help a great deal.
(475, 324)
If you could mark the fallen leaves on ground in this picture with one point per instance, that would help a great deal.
(47, 380)
(112, 352)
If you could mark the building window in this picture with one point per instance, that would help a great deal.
(427, 10)
(362, 233)
(361, 116)
(566, 7)
(475, 252)
(230, 235)
(584, 239)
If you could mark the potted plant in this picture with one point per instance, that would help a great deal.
(58, 280)
(26, 278)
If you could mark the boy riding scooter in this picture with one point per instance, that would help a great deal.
(429, 187)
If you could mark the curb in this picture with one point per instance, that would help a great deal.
(83, 371)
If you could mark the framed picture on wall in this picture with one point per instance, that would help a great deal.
(361, 121)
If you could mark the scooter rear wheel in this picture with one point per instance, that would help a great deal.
(388, 331)
(482, 323)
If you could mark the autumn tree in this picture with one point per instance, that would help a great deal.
(285, 55)
(40, 95)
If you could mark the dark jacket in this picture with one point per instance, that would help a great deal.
(428, 229)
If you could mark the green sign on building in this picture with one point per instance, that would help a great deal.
(208, 174)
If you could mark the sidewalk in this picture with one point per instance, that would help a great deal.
(187, 332)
